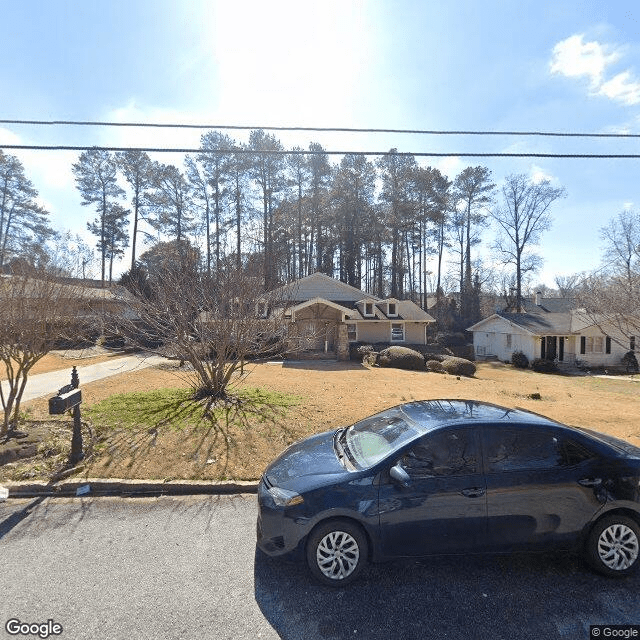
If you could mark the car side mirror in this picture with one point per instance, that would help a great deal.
(400, 475)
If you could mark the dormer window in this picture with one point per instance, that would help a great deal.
(392, 309)
(261, 309)
(368, 309)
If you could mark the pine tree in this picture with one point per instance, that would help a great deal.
(96, 179)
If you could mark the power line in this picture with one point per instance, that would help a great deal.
(167, 125)
(423, 154)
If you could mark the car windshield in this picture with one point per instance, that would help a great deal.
(373, 439)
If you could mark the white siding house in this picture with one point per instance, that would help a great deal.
(570, 337)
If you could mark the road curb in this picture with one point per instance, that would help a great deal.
(91, 487)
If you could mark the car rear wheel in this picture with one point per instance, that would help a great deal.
(613, 547)
(337, 552)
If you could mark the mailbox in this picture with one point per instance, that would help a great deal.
(64, 401)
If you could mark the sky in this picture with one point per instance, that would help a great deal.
(482, 65)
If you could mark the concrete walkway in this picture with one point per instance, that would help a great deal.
(47, 384)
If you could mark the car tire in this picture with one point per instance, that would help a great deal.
(613, 546)
(337, 552)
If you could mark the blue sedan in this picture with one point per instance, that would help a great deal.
(451, 476)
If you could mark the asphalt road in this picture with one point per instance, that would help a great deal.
(187, 568)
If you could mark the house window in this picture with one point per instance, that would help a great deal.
(397, 332)
(632, 343)
(392, 309)
(368, 308)
(352, 332)
(590, 344)
(508, 341)
(261, 309)
(607, 346)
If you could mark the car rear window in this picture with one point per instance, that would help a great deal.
(617, 443)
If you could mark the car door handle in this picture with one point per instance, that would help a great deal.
(475, 492)
(590, 482)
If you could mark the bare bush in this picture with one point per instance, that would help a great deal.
(215, 325)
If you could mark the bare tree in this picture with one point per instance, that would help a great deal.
(214, 324)
(521, 219)
(612, 303)
(611, 296)
(37, 311)
(622, 244)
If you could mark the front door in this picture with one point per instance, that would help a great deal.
(444, 507)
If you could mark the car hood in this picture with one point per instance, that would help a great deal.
(308, 459)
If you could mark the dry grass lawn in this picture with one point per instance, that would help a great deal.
(333, 395)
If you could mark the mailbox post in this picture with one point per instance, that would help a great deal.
(69, 399)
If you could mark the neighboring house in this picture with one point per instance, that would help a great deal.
(550, 329)
(72, 297)
(326, 315)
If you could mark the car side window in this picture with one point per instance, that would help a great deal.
(449, 452)
(529, 448)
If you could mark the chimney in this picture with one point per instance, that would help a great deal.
(538, 298)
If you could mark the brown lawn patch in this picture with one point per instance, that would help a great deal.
(333, 395)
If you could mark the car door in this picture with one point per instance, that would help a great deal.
(542, 487)
(443, 507)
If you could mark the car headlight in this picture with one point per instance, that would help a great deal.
(284, 497)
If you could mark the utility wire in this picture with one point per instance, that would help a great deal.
(165, 125)
(424, 154)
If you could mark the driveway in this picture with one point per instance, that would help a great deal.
(46, 384)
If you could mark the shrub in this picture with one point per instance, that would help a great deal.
(459, 367)
(458, 339)
(519, 360)
(435, 366)
(630, 361)
(542, 365)
(401, 358)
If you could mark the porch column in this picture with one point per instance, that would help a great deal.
(342, 342)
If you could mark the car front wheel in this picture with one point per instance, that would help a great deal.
(337, 552)
(613, 547)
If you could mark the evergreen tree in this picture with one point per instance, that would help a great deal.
(96, 180)
(23, 222)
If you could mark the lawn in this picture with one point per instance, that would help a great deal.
(152, 435)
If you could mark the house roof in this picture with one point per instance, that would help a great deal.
(547, 305)
(320, 285)
(539, 324)
(318, 288)
(406, 310)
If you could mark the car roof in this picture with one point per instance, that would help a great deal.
(431, 414)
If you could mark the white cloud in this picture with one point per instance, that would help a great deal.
(575, 58)
(623, 88)
(43, 168)
(450, 166)
(538, 174)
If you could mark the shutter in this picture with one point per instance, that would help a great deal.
(608, 345)
(583, 345)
